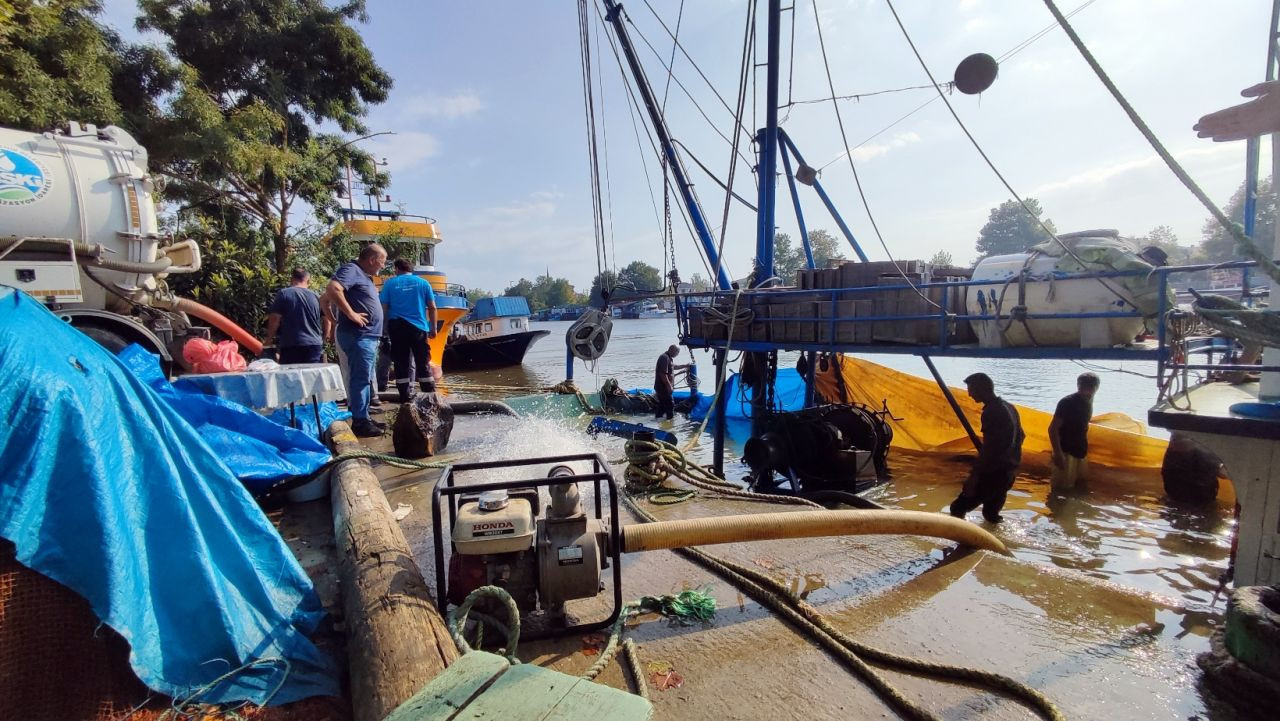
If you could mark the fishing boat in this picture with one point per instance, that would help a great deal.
(649, 309)
(494, 334)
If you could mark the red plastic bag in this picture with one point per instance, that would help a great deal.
(205, 357)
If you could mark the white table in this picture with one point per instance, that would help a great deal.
(284, 386)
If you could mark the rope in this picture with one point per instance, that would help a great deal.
(1239, 321)
(686, 607)
(809, 620)
(731, 320)
(651, 463)
(1243, 242)
(458, 618)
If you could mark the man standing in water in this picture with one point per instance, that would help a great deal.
(664, 383)
(352, 293)
(1069, 434)
(1001, 453)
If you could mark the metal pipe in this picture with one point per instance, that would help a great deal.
(613, 14)
(831, 207)
(946, 391)
(720, 359)
(768, 139)
(795, 201)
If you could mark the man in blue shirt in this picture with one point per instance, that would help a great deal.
(352, 292)
(410, 307)
(295, 315)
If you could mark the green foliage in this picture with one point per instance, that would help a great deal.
(475, 294)
(1163, 237)
(545, 292)
(699, 283)
(255, 80)
(606, 280)
(788, 257)
(57, 64)
(1010, 230)
(941, 259)
(1217, 245)
(640, 277)
(232, 279)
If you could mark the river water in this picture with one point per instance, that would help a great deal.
(1120, 530)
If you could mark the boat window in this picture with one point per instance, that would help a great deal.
(488, 326)
(427, 254)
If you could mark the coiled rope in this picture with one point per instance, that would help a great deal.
(807, 619)
(651, 463)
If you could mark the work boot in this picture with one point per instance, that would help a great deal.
(365, 428)
(402, 387)
(427, 386)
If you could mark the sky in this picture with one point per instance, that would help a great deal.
(490, 136)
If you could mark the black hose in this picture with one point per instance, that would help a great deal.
(476, 407)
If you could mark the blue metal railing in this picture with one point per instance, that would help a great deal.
(941, 294)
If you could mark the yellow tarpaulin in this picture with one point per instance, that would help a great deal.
(928, 423)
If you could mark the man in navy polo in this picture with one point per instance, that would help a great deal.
(352, 292)
(295, 317)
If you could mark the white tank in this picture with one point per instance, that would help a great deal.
(1049, 290)
(87, 185)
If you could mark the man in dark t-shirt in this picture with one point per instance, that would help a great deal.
(664, 383)
(1001, 453)
(1069, 434)
(295, 316)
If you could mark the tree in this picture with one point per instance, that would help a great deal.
(640, 277)
(941, 259)
(787, 258)
(1010, 230)
(256, 79)
(551, 292)
(699, 284)
(58, 64)
(1217, 245)
(475, 294)
(522, 288)
(824, 246)
(604, 281)
(1163, 237)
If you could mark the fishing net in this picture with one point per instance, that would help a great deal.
(58, 663)
(929, 424)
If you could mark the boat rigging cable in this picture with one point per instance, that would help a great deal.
(1039, 221)
(1008, 54)
(748, 41)
(597, 217)
(668, 236)
(604, 142)
(817, 21)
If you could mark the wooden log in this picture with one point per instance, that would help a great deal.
(396, 640)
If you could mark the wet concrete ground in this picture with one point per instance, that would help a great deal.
(1099, 647)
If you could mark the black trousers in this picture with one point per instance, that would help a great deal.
(991, 491)
(408, 343)
(666, 404)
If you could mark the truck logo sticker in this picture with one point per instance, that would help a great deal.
(23, 180)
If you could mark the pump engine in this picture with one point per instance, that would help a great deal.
(543, 556)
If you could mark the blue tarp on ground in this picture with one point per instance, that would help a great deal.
(257, 449)
(107, 490)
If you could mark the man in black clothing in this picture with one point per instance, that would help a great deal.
(1069, 434)
(295, 315)
(664, 383)
(997, 465)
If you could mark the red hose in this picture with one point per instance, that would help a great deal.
(221, 322)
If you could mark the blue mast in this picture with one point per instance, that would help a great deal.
(613, 13)
(768, 139)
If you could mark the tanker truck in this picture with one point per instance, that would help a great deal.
(78, 232)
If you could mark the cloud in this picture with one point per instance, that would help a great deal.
(404, 150)
(1106, 173)
(449, 107)
(875, 150)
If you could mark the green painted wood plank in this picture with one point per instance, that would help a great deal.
(452, 690)
(523, 693)
(589, 700)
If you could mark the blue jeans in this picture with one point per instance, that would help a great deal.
(362, 353)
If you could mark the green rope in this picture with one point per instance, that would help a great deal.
(1251, 325)
(1243, 243)
(687, 607)
(458, 618)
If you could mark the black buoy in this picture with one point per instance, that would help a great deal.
(976, 73)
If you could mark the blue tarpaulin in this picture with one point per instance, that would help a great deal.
(788, 392)
(108, 490)
(259, 450)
